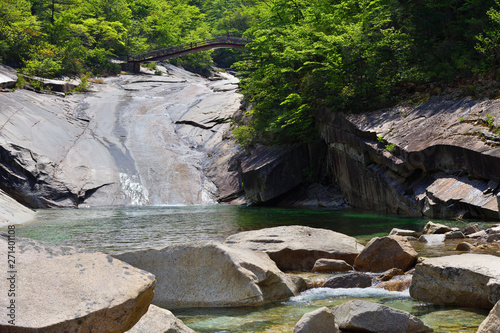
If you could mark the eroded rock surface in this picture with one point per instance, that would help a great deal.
(383, 253)
(439, 165)
(62, 289)
(135, 140)
(212, 275)
(12, 212)
(362, 316)
(321, 320)
(465, 280)
(296, 248)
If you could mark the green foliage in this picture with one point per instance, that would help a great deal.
(84, 83)
(489, 41)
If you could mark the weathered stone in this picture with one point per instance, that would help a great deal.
(54, 85)
(436, 228)
(331, 266)
(351, 280)
(398, 283)
(117, 145)
(321, 320)
(383, 253)
(61, 289)
(12, 212)
(464, 246)
(158, 320)
(471, 229)
(361, 316)
(296, 248)
(493, 238)
(454, 235)
(210, 274)
(419, 177)
(271, 172)
(8, 77)
(432, 239)
(478, 234)
(390, 273)
(403, 232)
(492, 323)
(457, 280)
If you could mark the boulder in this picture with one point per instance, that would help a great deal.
(398, 283)
(352, 280)
(390, 273)
(383, 253)
(321, 320)
(454, 235)
(12, 212)
(296, 248)
(403, 232)
(462, 280)
(492, 323)
(365, 316)
(8, 77)
(331, 266)
(158, 320)
(479, 234)
(464, 246)
(436, 228)
(271, 172)
(471, 229)
(211, 274)
(62, 289)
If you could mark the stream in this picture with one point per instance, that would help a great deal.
(112, 230)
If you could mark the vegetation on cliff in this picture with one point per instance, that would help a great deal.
(305, 55)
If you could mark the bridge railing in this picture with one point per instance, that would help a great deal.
(188, 46)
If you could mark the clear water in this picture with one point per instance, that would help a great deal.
(114, 230)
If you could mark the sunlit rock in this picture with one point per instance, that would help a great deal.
(458, 280)
(296, 248)
(321, 320)
(158, 320)
(210, 274)
(365, 316)
(61, 289)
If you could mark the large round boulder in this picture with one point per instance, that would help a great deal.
(54, 289)
(465, 280)
(211, 274)
(296, 248)
(362, 316)
(383, 253)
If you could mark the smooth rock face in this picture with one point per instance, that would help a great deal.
(383, 253)
(464, 246)
(298, 247)
(158, 320)
(361, 316)
(321, 320)
(352, 280)
(60, 289)
(457, 280)
(212, 275)
(12, 212)
(492, 323)
(331, 266)
(136, 140)
(8, 77)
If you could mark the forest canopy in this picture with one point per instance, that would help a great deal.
(342, 55)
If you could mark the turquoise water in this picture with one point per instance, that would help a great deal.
(114, 230)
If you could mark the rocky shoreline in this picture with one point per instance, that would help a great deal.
(93, 292)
